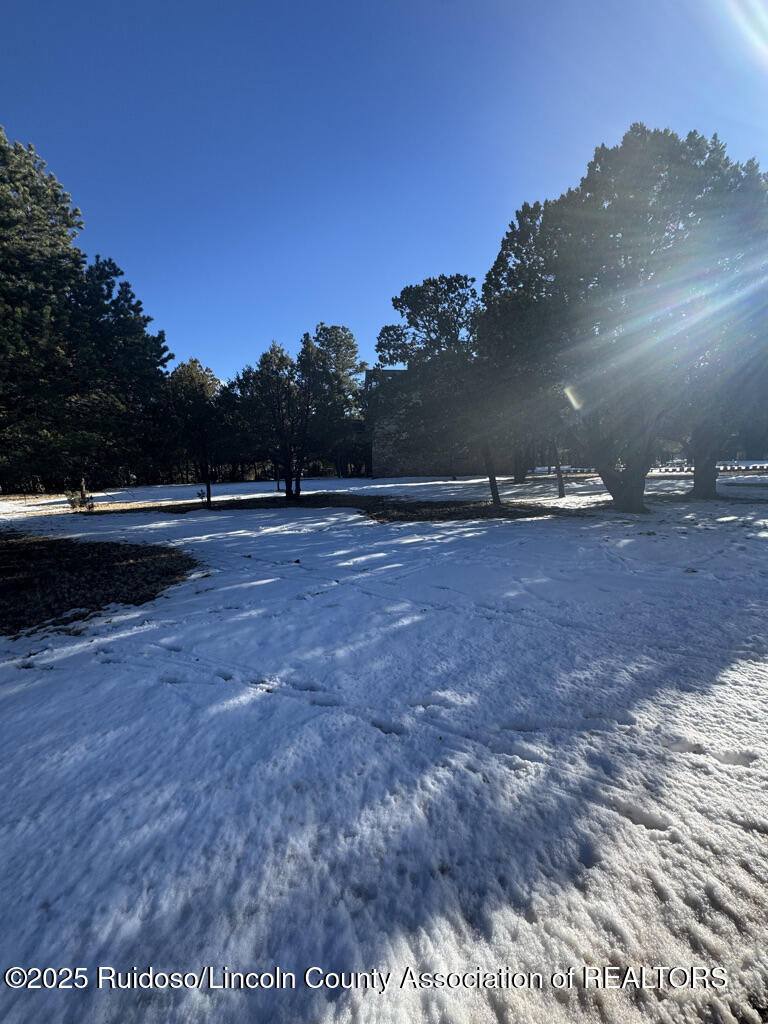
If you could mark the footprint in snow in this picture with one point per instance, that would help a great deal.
(431, 701)
(619, 717)
(639, 816)
(262, 684)
(520, 749)
(742, 758)
(683, 746)
(387, 727)
(522, 724)
(589, 854)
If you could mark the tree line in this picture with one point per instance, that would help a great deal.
(86, 395)
(620, 322)
(275, 419)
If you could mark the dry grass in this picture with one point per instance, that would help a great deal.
(46, 580)
(385, 510)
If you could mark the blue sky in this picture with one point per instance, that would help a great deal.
(256, 168)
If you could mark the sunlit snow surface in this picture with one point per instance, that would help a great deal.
(536, 744)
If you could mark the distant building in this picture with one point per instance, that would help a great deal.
(403, 442)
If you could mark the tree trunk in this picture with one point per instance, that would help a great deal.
(520, 466)
(490, 471)
(707, 442)
(555, 455)
(207, 486)
(297, 471)
(83, 495)
(626, 486)
(704, 475)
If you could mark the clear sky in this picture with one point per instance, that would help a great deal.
(258, 167)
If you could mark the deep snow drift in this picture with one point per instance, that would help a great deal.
(533, 744)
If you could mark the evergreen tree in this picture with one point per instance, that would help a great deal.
(301, 409)
(517, 345)
(112, 378)
(39, 265)
(276, 397)
(438, 404)
(256, 437)
(336, 424)
(194, 391)
(627, 275)
(80, 373)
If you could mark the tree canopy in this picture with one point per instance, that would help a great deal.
(638, 285)
(79, 370)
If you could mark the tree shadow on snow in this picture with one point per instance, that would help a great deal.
(347, 798)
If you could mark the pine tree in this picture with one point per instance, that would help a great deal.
(438, 404)
(112, 378)
(634, 277)
(39, 265)
(194, 390)
(336, 423)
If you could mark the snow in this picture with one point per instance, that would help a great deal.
(532, 744)
(581, 492)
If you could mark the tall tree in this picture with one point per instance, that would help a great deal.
(337, 417)
(39, 265)
(251, 423)
(194, 391)
(438, 318)
(725, 310)
(111, 378)
(304, 406)
(276, 395)
(517, 333)
(79, 370)
(629, 269)
(438, 402)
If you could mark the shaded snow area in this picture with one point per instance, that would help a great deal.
(534, 745)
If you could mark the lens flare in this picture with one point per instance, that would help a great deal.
(750, 17)
(685, 319)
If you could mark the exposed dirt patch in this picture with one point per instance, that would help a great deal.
(47, 580)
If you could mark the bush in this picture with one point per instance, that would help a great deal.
(79, 501)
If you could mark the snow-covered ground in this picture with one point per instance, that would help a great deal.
(581, 491)
(534, 744)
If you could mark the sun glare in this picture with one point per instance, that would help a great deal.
(751, 19)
